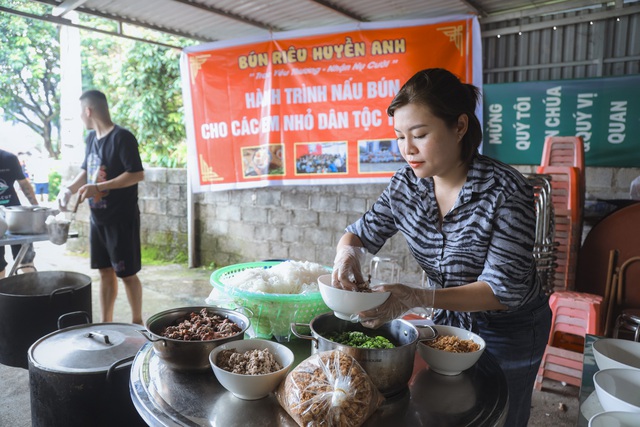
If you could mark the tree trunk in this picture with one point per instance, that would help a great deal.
(48, 143)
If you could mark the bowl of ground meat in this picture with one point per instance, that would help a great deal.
(454, 350)
(184, 337)
(251, 369)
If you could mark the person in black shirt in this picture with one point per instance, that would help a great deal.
(10, 172)
(109, 179)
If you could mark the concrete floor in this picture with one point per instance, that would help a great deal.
(170, 286)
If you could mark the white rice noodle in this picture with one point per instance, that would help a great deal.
(288, 277)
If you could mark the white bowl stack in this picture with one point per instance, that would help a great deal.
(618, 389)
(615, 419)
(617, 383)
(616, 353)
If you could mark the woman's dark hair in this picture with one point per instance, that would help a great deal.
(447, 98)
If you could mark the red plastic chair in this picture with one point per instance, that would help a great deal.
(575, 314)
(566, 193)
(565, 151)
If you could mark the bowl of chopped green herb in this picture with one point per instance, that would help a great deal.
(359, 339)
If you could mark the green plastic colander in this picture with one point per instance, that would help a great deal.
(272, 313)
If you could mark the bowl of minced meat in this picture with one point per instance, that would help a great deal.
(251, 369)
(453, 351)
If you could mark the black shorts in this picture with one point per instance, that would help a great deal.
(116, 245)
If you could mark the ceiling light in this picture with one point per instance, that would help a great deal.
(555, 28)
(519, 33)
(498, 35)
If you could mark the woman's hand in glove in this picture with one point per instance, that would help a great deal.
(402, 299)
(347, 271)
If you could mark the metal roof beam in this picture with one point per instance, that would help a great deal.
(119, 19)
(341, 10)
(63, 21)
(229, 15)
(67, 6)
(543, 9)
(474, 7)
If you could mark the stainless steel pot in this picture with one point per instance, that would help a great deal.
(188, 355)
(26, 219)
(79, 376)
(390, 369)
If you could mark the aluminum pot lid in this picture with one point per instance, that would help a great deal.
(89, 348)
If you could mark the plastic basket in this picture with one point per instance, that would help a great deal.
(272, 314)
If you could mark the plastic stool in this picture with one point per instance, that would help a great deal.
(586, 306)
(560, 365)
(628, 320)
(575, 314)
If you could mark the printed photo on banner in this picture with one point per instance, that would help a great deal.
(321, 158)
(379, 155)
(263, 160)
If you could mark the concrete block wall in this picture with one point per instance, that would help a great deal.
(293, 222)
(162, 200)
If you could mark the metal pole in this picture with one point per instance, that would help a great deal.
(191, 237)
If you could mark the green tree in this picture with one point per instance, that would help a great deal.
(30, 73)
(142, 83)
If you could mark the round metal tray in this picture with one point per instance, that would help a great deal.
(165, 397)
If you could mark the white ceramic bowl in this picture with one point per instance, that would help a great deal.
(618, 389)
(446, 362)
(252, 387)
(347, 304)
(616, 353)
(614, 419)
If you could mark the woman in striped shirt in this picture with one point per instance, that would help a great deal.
(469, 222)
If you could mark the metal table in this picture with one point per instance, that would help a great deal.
(24, 240)
(165, 397)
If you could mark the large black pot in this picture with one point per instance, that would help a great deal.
(79, 376)
(30, 305)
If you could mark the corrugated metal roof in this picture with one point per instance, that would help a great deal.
(212, 20)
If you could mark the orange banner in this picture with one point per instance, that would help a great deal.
(310, 108)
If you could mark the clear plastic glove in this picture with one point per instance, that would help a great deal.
(63, 199)
(402, 299)
(347, 270)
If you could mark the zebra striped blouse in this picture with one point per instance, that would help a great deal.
(487, 236)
